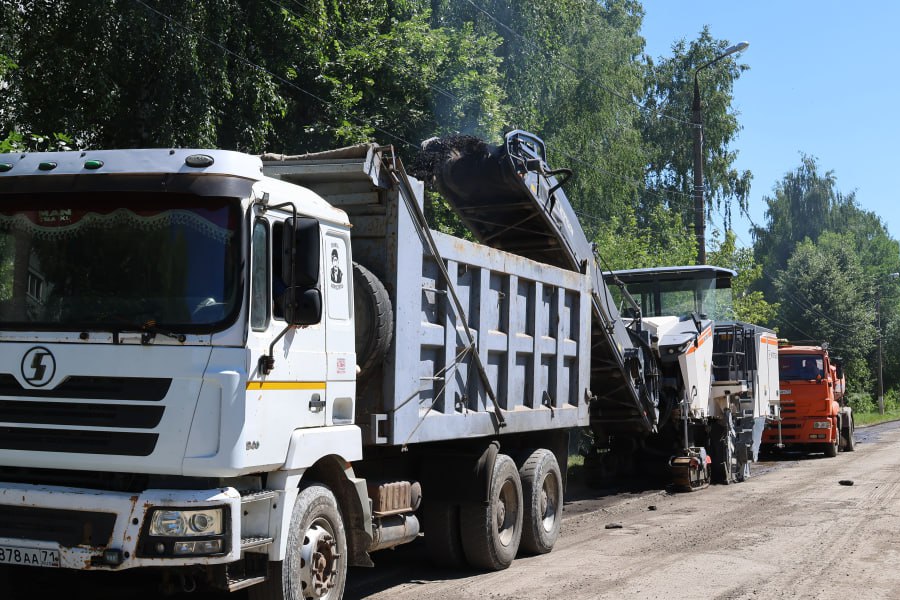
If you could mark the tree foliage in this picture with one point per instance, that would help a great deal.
(303, 75)
(825, 296)
(813, 230)
(750, 305)
(669, 140)
(624, 243)
(248, 76)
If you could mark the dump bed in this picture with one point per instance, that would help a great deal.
(485, 342)
(512, 200)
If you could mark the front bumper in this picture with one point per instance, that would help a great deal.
(84, 524)
(796, 431)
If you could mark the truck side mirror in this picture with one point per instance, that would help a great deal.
(303, 305)
(300, 249)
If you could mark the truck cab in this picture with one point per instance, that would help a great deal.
(814, 414)
(178, 341)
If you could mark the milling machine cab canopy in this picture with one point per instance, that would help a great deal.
(674, 291)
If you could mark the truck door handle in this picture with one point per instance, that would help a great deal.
(316, 404)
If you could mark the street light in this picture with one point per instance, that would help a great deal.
(697, 122)
(891, 277)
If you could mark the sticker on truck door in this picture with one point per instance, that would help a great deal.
(338, 288)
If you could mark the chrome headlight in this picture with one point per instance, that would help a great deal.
(821, 424)
(186, 523)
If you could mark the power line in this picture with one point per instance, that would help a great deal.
(596, 168)
(636, 183)
(630, 180)
(804, 305)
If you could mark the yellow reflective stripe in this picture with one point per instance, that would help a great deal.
(285, 385)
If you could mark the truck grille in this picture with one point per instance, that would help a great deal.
(101, 412)
(66, 527)
(150, 389)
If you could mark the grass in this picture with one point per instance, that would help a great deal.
(871, 418)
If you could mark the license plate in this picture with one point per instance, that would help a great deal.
(34, 557)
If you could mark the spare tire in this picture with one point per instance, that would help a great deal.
(374, 319)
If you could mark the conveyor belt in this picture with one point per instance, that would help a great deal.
(511, 200)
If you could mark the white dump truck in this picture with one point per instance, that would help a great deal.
(210, 369)
(252, 372)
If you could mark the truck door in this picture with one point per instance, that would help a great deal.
(341, 338)
(293, 394)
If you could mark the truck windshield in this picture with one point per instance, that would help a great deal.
(800, 367)
(118, 261)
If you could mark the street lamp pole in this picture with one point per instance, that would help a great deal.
(697, 123)
(892, 276)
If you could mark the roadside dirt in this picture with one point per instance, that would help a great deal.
(791, 531)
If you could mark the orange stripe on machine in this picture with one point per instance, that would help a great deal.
(705, 335)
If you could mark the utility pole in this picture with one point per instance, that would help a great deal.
(697, 126)
(891, 277)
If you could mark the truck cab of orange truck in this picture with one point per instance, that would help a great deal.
(814, 416)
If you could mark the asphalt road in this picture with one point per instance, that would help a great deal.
(790, 531)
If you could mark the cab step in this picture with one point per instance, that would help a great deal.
(248, 543)
(235, 584)
(248, 496)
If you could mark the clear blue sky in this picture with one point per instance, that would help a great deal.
(823, 81)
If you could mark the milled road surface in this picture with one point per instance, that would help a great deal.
(790, 532)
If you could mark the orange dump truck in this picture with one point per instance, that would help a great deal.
(814, 415)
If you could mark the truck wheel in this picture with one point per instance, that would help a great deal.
(374, 319)
(831, 450)
(491, 531)
(849, 442)
(315, 565)
(443, 543)
(542, 492)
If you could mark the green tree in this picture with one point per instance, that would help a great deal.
(806, 204)
(825, 296)
(624, 243)
(250, 76)
(809, 211)
(750, 306)
(668, 139)
(388, 74)
(574, 85)
(126, 74)
(802, 207)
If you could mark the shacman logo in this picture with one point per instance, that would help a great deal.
(38, 366)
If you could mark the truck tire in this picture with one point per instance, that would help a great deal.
(542, 492)
(315, 565)
(443, 543)
(491, 531)
(848, 434)
(374, 319)
(831, 450)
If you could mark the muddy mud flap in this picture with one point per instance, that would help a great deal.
(757, 424)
